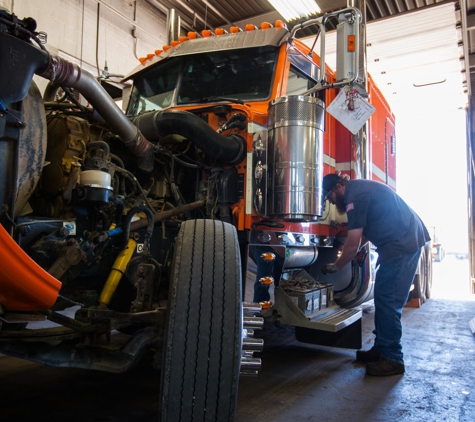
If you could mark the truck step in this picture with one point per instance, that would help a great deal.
(335, 319)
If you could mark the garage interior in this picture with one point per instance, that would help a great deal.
(302, 382)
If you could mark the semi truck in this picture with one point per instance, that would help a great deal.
(128, 236)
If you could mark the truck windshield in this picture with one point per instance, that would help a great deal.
(242, 74)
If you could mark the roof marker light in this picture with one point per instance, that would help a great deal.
(250, 27)
(193, 35)
(266, 25)
(143, 60)
(280, 24)
(220, 31)
(205, 33)
(175, 43)
(166, 48)
(235, 29)
(150, 56)
(158, 52)
(183, 38)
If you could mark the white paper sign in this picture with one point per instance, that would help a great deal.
(353, 120)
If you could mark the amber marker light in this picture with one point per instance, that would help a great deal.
(150, 56)
(158, 52)
(265, 305)
(143, 60)
(235, 29)
(183, 38)
(193, 35)
(166, 48)
(175, 43)
(280, 24)
(250, 27)
(267, 281)
(220, 31)
(351, 43)
(206, 33)
(268, 256)
(266, 25)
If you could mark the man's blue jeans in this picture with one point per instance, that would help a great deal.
(391, 291)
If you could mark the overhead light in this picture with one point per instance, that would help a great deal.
(295, 9)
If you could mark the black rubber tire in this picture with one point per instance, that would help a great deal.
(202, 347)
(423, 280)
(417, 293)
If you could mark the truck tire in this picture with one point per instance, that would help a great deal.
(417, 293)
(202, 347)
(421, 280)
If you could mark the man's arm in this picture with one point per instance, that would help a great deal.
(350, 248)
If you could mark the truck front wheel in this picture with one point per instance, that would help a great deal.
(202, 347)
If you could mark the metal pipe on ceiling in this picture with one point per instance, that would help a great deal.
(164, 9)
(193, 13)
(217, 12)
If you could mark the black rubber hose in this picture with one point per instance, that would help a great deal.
(128, 221)
(229, 149)
(119, 209)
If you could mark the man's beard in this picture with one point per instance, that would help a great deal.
(340, 204)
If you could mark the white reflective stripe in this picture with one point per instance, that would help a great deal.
(345, 166)
(348, 166)
(382, 175)
(328, 160)
(378, 172)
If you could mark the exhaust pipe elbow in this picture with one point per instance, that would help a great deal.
(64, 73)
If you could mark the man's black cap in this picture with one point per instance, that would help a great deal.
(329, 182)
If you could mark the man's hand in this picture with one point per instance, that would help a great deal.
(329, 269)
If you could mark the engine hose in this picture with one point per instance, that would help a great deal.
(127, 224)
(236, 120)
(102, 144)
(120, 208)
(230, 149)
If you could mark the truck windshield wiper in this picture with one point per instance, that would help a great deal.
(213, 98)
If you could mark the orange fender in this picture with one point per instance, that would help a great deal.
(24, 285)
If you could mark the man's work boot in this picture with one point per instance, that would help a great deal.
(384, 367)
(371, 355)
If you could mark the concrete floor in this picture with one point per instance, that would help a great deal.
(298, 382)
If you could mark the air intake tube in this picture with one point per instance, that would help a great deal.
(229, 149)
